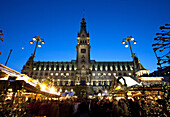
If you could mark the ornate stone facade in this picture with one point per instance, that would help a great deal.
(82, 75)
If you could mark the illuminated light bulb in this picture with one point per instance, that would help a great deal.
(39, 45)
(34, 39)
(31, 42)
(43, 87)
(119, 87)
(126, 45)
(132, 38)
(134, 42)
(43, 42)
(60, 90)
(123, 42)
(52, 90)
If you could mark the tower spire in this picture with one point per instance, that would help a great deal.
(83, 31)
(83, 12)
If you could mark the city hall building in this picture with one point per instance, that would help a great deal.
(83, 75)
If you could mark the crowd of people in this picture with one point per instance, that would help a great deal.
(96, 108)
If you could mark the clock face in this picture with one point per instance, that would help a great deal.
(83, 50)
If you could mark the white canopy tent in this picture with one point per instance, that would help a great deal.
(129, 81)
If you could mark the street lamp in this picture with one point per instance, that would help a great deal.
(127, 41)
(1, 35)
(39, 41)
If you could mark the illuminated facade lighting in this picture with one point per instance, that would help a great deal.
(81, 73)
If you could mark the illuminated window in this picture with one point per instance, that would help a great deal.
(106, 68)
(96, 68)
(67, 74)
(109, 74)
(108, 83)
(51, 74)
(59, 68)
(97, 83)
(101, 68)
(130, 74)
(62, 74)
(56, 74)
(99, 74)
(111, 68)
(114, 74)
(83, 67)
(104, 74)
(90, 68)
(93, 74)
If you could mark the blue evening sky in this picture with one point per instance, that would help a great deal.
(58, 22)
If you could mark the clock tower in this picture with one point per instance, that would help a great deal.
(83, 48)
(83, 72)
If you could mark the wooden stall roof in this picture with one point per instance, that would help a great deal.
(21, 84)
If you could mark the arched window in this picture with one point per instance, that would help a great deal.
(123, 67)
(98, 68)
(42, 67)
(47, 67)
(57, 67)
(114, 69)
(52, 67)
(108, 67)
(83, 61)
(37, 67)
(62, 68)
(67, 68)
(83, 67)
(128, 67)
(118, 68)
(104, 68)
(93, 68)
(72, 67)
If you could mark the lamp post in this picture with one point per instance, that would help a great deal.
(1, 35)
(127, 41)
(39, 41)
(8, 57)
